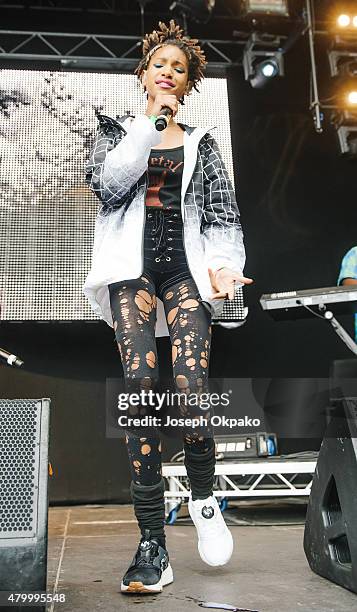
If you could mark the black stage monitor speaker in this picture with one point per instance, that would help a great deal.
(24, 427)
(330, 539)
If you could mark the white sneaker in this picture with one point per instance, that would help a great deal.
(215, 542)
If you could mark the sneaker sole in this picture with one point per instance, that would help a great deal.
(204, 559)
(209, 562)
(138, 587)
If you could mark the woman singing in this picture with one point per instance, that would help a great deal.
(168, 249)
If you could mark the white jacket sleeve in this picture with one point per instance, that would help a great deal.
(113, 169)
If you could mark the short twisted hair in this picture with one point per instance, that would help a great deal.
(172, 35)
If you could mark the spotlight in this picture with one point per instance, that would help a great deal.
(352, 98)
(349, 68)
(262, 59)
(342, 51)
(265, 7)
(199, 10)
(264, 72)
(343, 67)
(344, 70)
(269, 68)
(347, 138)
(346, 20)
(345, 124)
(343, 21)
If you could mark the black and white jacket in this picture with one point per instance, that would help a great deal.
(117, 173)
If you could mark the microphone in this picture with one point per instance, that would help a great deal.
(10, 359)
(163, 119)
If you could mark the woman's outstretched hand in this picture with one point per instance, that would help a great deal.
(223, 282)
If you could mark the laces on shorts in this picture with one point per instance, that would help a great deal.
(159, 234)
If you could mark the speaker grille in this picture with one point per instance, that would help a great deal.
(19, 452)
(233, 310)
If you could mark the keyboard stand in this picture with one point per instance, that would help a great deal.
(340, 331)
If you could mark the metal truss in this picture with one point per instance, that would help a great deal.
(76, 51)
(273, 477)
(95, 6)
(115, 7)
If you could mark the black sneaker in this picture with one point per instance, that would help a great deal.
(150, 569)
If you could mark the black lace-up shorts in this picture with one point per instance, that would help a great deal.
(165, 260)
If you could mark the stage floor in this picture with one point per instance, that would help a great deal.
(90, 547)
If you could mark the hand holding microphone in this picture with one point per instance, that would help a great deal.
(163, 119)
(164, 107)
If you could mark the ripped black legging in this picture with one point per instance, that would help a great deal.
(133, 304)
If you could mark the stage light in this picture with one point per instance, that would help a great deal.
(345, 79)
(345, 124)
(264, 72)
(342, 54)
(262, 59)
(199, 10)
(269, 68)
(265, 7)
(352, 98)
(348, 68)
(343, 21)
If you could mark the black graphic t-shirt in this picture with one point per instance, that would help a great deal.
(165, 178)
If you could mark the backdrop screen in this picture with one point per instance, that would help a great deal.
(47, 213)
